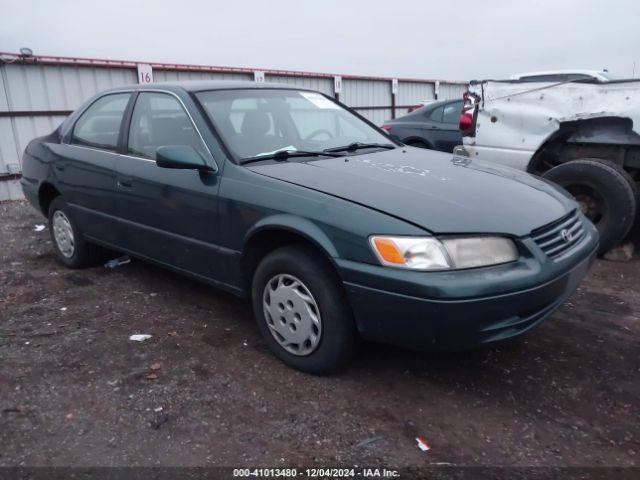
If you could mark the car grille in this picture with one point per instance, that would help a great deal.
(558, 237)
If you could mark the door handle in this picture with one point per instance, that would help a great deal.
(124, 184)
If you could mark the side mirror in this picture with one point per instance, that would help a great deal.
(180, 156)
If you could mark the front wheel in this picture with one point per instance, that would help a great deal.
(605, 192)
(302, 311)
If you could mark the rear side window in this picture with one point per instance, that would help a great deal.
(451, 113)
(436, 114)
(99, 125)
(159, 119)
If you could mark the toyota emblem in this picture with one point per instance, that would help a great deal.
(566, 235)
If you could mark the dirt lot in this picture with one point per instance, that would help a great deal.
(205, 391)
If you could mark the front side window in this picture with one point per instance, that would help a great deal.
(159, 119)
(99, 125)
(256, 122)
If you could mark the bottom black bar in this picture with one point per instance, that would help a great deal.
(311, 473)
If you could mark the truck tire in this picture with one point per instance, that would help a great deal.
(302, 312)
(607, 195)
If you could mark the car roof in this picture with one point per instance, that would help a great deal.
(432, 105)
(203, 85)
(435, 104)
(442, 102)
(591, 73)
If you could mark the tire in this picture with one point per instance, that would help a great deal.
(607, 195)
(81, 253)
(273, 284)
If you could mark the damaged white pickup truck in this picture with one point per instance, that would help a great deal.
(583, 134)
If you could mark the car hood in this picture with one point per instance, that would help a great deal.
(436, 191)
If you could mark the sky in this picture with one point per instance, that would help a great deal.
(452, 40)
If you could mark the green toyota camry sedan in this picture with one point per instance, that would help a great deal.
(334, 230)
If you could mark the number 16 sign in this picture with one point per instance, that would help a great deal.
(145, 73)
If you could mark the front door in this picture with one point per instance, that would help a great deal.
(167, 215)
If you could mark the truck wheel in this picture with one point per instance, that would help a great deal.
(302, 311)
(72, 250)
(605, 192)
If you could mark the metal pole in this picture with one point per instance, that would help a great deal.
(393, 105)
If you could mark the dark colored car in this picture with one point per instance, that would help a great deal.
(434, 126)
(334, 231)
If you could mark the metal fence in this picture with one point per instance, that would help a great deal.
(38, 92)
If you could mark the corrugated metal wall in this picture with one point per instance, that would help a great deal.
(36, 97)
(451, 90)
(173, 75)
(324, 85)
(371, 98)
(412, 93)
(54, 87)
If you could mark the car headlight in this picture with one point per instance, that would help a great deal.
(429, 253)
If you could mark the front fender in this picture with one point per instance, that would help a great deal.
(297, 225)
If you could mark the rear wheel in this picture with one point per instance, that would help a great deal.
(606, 193)
(302, 311)
(72, 250)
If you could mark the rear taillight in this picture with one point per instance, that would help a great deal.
(413, 108)
(465, 123)
(386, 128)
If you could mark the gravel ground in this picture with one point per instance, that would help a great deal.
(204, 391)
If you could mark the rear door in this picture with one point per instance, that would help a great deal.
(167, 215)
(450, 121)
(85, 166)
(442, 126)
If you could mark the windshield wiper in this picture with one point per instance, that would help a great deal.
(283, 155)
(352, 147)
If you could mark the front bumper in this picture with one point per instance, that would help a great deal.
(461, 309)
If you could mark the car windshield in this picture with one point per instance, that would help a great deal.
(260, 122)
